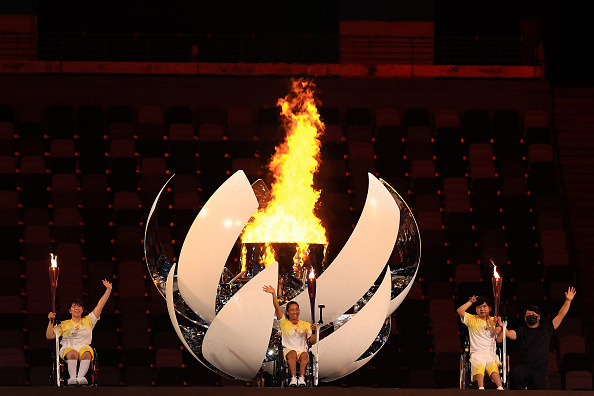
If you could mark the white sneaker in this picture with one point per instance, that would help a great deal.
(301, 381)
(293, 381)
(82, 381)
(72, 381)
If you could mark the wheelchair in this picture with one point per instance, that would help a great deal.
(59, 375)
(466, 380)
(282, 375)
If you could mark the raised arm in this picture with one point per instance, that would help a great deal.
(277, 309)
(462, 308)
(103, 299)
(569, 294)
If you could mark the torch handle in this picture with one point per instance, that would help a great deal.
(53, 299)
(54, 272)
(497, 296)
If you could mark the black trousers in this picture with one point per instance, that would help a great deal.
(523, 377)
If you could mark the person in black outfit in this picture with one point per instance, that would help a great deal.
(534, 339)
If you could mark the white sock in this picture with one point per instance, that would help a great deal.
(84, 367)
(500, 388)
(482, 387)
(72, 368)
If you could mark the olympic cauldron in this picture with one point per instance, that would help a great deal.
(229, 322)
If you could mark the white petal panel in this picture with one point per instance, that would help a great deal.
(171, 309)
(349, 369)
(210, 240)
(362, 258)
(237, 340)
(340, 350)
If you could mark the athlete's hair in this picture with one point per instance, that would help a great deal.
(483, 299)
(288, 306)
(76, 301)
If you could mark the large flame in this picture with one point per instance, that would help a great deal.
(289, 217)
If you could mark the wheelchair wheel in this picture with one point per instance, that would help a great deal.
(56, 378)
(465, 379)
(503, 368)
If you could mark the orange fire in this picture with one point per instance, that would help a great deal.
(495, 273)
(289, 217)
(53, 260)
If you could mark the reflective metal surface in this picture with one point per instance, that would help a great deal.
(408, 245)
(159, 265)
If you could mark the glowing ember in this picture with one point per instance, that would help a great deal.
(54, 260)
(289, 217)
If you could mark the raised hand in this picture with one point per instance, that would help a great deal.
(107, 284)
(473, 299)
(570, 293)
(269, 289)
(51, 316)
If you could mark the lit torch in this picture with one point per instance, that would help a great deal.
(496, 291)
(496, 297)
(311, 288)
(54, 271)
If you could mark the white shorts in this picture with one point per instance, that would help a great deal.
(484, 361)
(79, 348)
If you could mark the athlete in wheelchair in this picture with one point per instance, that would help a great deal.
(296, 334)
(76, 334)
(484, 332)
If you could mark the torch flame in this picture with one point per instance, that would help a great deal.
(289, 217)
(54, 260)
(495, 274)
(312, 274)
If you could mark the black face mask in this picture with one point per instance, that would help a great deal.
(532, 320)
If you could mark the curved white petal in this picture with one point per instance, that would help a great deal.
(340, 350)
(210, 240)
(349, 369)
(362, 258)
(237, 340)
(171, 309)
